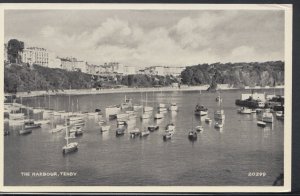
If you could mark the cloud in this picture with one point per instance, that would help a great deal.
(201, 37)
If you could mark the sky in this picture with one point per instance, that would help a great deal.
(152, 37)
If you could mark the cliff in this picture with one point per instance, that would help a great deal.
(235, 74)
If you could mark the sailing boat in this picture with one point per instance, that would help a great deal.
(69, 147)
(147, 110)
(136, 106)
(200, 110)
(219, 99)
(219, 116)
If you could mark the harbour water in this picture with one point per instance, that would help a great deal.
(219, 157)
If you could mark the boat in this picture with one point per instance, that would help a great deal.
(158, 116)
(69, 147)
(122, 116)
(120, 131)
(244, 110)
(219, 99)
(199, 128)
(134, 132)
(279, 115)
(146, 116)
(208, 120)
(137, 107)
(173, 107)
(267, 117)
(170, 128)
(219, 115)
(261, 123)
(219, 125)
(192, 135)
(104, 128)
(42, 122)
(153, 127)
(126, 104)
(78, 131)
(31, 125)
(144, 133)
(147, 108)
(57, 129)
(200, 110)
(121, 122)
(167, 136)
(25, 131)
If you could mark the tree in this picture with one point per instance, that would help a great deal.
(14, 47)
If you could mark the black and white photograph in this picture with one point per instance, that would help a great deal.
(128, 97)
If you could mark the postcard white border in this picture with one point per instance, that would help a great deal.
(288, 8)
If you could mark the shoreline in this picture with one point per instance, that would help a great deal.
(130, 90)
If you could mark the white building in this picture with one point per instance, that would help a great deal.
(129, 70)
(174, 71)
(35, 55)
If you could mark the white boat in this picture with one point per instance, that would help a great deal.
(37, 110)
(57, 129)
(144, 133)
(137, 107)
(208, 120)
(101, 122)
(69, 147)
(127, 103)
(148, 109)
(146, 116)
(173, 107)
(122, 116)
(162, 105)
(121, 123)
(104, 128)
(170, 128)
(25, 131)
(42, 122)
(31, 125)
(134, 132)
(267, 117)
(167, 135)
(261, 123)
(158, 116)
(244, 110)
(92, 114)
(199, 128)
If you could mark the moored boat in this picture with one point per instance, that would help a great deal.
(104, 128)
(218, 125)
(25, 131)
(173, 107)
(167, 135)
(199, 128)
(120, 131)
(31, 125)
(134, 132)
(244, 110)
(261, 124)
(144, 133)
(153, 127)
(208, 120)
(200, 110)
(192, 135)
(158, 116)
